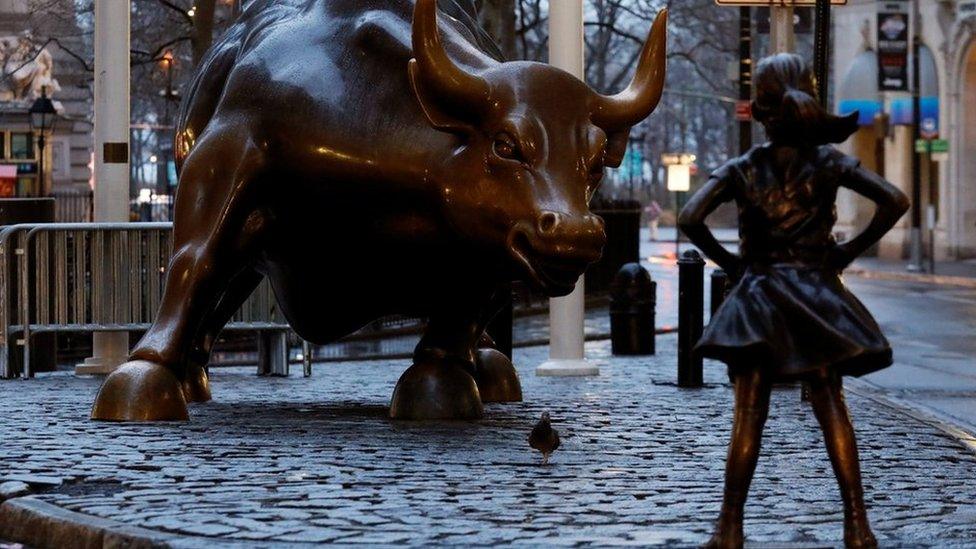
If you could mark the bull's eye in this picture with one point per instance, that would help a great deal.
(505, 147)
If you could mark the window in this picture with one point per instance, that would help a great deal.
(21, 146)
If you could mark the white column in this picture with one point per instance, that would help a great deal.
(782, 39)
(111, 152)
(566, 313)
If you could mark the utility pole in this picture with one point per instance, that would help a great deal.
(566, 353)
(110, 349)
(821, 49)
(745, 75)
(782, 38)
(915, 252)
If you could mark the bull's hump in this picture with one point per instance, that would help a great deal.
(383, 30)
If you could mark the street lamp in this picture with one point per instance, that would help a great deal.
(42, 118)
(171, 96)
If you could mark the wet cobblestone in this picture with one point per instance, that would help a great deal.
(276, 460)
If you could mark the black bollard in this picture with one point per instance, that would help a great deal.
(691, 312)
(632, 298)
(720, 288)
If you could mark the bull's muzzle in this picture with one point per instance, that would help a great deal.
(556, 249)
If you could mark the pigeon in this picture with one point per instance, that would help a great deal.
(544, 438)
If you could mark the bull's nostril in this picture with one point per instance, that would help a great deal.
(548, 222)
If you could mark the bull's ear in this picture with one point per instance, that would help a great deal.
(436, 115)
(616, 148)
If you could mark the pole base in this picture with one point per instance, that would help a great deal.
(568, 367)
(100, 365)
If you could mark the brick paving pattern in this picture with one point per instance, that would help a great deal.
(316, 460)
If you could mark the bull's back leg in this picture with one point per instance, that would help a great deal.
(217, 229)
(196, 383)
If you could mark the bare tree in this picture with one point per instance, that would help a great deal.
(497, 17)
(695, 114)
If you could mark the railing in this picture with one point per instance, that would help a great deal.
(73, 205)
(87, 277)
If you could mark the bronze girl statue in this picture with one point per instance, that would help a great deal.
(789, 316)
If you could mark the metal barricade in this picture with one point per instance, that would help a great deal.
(73, 205)
(87, 277)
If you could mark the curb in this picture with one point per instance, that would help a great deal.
(40, 524)
(942, 280)
(961, 433)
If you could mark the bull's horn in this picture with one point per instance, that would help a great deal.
(438, 73)
(641, 97)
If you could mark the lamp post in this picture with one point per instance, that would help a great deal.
(915, 234)
(42, 118)
(171, 97)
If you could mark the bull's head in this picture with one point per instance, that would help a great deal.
(534, 141)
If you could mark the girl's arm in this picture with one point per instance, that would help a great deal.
(692, 222)
(891, 205)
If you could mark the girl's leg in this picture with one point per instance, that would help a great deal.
(827, 398)
(752, 388)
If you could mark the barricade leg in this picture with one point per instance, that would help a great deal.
(273, 353)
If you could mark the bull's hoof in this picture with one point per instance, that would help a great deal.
(196, 386)
(435, 390)
(496, 377)
(140, 391)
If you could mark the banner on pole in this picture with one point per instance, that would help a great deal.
(893, 18)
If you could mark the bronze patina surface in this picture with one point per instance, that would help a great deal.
(369, 167)
(789, 315)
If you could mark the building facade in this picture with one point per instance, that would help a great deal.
(872, 74)
(40, 51)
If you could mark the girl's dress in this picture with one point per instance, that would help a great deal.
(790, 313)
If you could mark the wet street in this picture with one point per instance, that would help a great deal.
(931, 329)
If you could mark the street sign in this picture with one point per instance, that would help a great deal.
(743, 110)
(929, 128)
(934, 146)
(776, 3)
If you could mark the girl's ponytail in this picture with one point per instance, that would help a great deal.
(787, 106)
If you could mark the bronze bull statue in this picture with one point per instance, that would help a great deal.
(328, 122)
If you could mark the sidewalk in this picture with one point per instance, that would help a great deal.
(952, 273)
(956, 273)
(274, 461)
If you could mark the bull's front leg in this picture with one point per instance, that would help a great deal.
(455, 368)
(217, 230)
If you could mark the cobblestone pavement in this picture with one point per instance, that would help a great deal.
(313, 460)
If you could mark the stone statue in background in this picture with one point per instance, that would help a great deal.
(26, 70)
(371, 167)
(789, 316)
